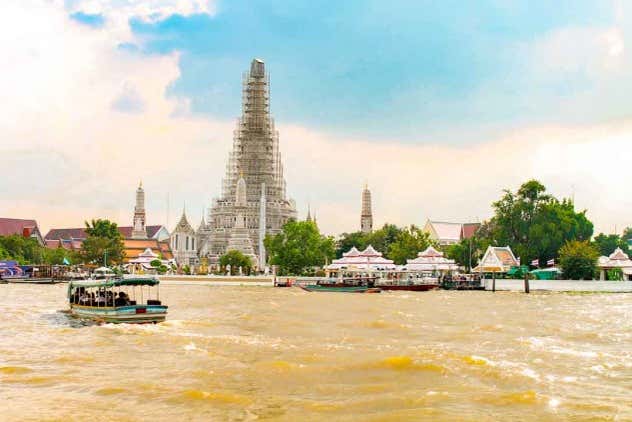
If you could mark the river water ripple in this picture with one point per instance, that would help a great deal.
(247, 353)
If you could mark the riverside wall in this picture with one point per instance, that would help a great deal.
(561, 285)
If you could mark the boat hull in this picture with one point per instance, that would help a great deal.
(45, 280)
(412, 287)
(135, 314)
(341, 289)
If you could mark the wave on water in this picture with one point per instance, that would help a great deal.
(189, 396)
(14, 370)
(406, 363)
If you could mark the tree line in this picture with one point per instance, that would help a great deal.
(534, 223)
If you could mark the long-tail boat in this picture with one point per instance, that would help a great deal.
(129, 300)
(339, 289)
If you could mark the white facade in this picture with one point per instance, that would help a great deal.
(183, 242)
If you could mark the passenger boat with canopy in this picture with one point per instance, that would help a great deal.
(121, 300)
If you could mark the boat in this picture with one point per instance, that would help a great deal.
(339, 289)
(103, 273)
(31, 280)
(413, 287)
(462, 282)
(117, 300)
(283, 283)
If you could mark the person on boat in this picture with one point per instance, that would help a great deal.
(122, 299)
(100, 299)
(85, 298)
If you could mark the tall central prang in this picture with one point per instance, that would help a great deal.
(254, 166)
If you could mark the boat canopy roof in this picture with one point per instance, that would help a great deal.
(136, 281)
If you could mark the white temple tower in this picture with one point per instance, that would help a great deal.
(255, 159)
(366, 216)
(139, 230)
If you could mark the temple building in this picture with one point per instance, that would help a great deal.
(366, 216)
(253, 199)
(183, 242)
(497, 259)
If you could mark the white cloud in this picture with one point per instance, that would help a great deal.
(117, 13)
(71, 156)
(411, 183)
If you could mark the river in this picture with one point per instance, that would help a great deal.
(247, 353)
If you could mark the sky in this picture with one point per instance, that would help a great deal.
(438, 106)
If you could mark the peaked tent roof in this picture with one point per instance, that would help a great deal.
(430, 260)
(368, 259)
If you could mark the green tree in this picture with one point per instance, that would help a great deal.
(25, 250)
(350, 240)
(408, 243)
(627, 234)
(578, 260)
(383, 238)
(299, 247)
(607, 243)
(57, 256)
(380, 239)
(103, 236)
(236, 259)
(103, 228)
(468, 252)
(534, 223)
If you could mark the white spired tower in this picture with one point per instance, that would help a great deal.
(254, 184)
(366, 216)
(138, 230)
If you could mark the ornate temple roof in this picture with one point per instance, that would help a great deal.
(183, 225)
(496, 259)
(617, 259)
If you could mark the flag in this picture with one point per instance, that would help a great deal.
(535, 262)
(550, 262)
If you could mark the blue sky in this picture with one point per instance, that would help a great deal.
(406, 70)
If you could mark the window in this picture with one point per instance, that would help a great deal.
(187, 248)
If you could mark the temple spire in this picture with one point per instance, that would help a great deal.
(366, 216)
(139, 230)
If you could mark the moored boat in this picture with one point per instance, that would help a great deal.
(339, 289)
(418, 287)
(31, 280)
(122, 300)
